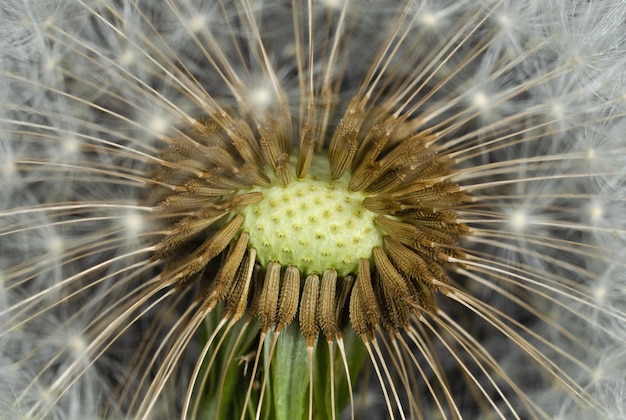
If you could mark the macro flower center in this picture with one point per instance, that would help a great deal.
(330, 237)
(314, 223)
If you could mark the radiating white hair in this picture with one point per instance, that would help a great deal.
(527, 99)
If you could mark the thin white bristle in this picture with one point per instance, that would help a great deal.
(113, 114)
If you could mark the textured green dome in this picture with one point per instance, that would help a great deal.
(313, 223)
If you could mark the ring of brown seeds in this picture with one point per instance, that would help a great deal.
(359, 237)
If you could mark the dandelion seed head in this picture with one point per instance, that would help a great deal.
(480, 100)
(597, 374)
(152, 151)
(557, 111)
(197, 23)
(49, 22)
(261, 97)
(127, 57)
(596, 212)
(50, 64)
(70, 145)
(504, 21)
(519, 220)
(133, 223)
(484, 103)
(158, 125)
(55, 245)
(77, 345)
(609, 290)
(600, 293)
(591, 154)
(429, 20)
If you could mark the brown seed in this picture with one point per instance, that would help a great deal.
(308, 309)
(363, 305)
(288, 299)
(209, 249)
(224, 278)
(392, 280)
(327, 308)
(344, 143)
(268, 304)
(237, 299)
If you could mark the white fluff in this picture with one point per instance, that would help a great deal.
(90, 88)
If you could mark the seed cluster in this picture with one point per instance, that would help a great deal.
(362, 239)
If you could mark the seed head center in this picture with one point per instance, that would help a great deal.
(314, 223)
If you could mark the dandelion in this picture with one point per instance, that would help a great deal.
(323, 209)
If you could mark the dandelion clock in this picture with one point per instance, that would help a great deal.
(322, 209)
